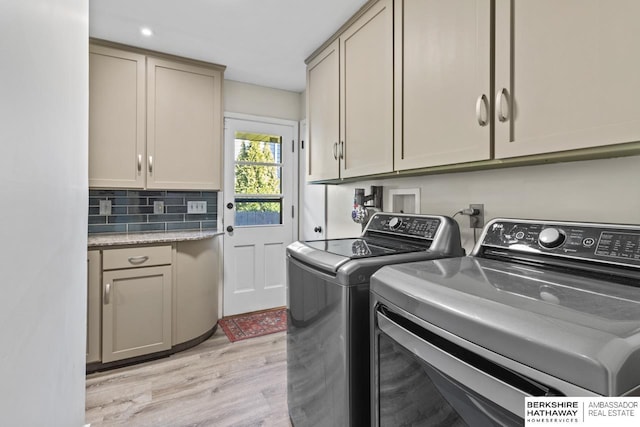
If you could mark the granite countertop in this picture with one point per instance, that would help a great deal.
(119, 239)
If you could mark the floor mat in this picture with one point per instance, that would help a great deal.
(256, 324)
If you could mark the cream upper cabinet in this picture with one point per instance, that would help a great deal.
(443, 82)
(184, 126)
(323, 114)
(567, 75)
(350, 100)
(153, 123)
(366, 93)
(116, 118)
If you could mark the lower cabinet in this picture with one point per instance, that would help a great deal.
(136, 312)
(143, 300)
(94, 313)
(195, 289)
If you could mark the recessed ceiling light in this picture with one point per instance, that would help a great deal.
(146, 31)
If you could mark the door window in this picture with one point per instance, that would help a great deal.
(258, 179)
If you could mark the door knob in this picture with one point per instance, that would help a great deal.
(230, 229)
(318, 229)
(229, 205)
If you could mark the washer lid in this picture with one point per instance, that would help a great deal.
(364, 247)
(582, 330)
(330, 255)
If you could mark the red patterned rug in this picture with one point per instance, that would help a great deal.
(258, 323)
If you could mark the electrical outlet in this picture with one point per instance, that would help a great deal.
(158, 207)
(105, 207)
(197, 207)
(477, 221)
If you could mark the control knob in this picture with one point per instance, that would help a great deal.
(395, 223)
(551, 238)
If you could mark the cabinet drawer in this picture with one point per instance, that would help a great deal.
(136, 257)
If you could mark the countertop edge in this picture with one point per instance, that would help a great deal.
(95, 241)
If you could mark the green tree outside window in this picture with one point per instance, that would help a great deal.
(256, 179)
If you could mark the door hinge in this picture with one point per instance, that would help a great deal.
(293, 211)
(293, 145)
(302, 144)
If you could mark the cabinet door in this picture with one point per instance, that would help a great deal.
(323, 115)
(136, 312)
(184, 126)
(366, 93)
(443, 60)
(196, 289)
(94, 312)
(569, 73)
(116, 118)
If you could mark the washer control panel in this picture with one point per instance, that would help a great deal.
(609, 243)
(405, 225)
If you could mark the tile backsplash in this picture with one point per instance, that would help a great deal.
(132, 211)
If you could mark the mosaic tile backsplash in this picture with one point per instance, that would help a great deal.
(132, 211)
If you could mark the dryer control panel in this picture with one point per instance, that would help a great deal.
(603, 243)
(421, 226)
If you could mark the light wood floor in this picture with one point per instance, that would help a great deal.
(216, 383)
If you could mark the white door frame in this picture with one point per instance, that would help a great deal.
(311, 197)
(223, 199)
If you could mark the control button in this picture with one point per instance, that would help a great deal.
(395, 223)
(520, 235)
(588, 242)
(551, 238)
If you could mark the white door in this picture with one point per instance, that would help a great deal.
(312, 197)
(258, 211)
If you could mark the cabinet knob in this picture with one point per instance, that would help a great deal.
(107, 293)
(502, 105)
(318, 229)
(229, 205)
(482, 110)
(138, 259)
(230, 229)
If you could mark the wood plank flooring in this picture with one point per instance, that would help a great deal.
(217, 383)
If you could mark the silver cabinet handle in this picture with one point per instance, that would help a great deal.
(502, 105)
(150, 164)
(482, 110)
(107, 293)
(139, 162)
(335, 150)
(342, 149)
(138, 259)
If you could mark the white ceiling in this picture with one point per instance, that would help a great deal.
(264, 42)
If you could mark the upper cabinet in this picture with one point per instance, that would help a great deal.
(323, 114)
(567, 75)
(350, 100)
(116, 118)
(366, 93)
(184, 126)
(476, 84)
(153, 123)
(443, 82)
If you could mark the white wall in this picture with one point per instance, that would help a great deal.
(43, 224)
(605, 190)
(261, 101)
